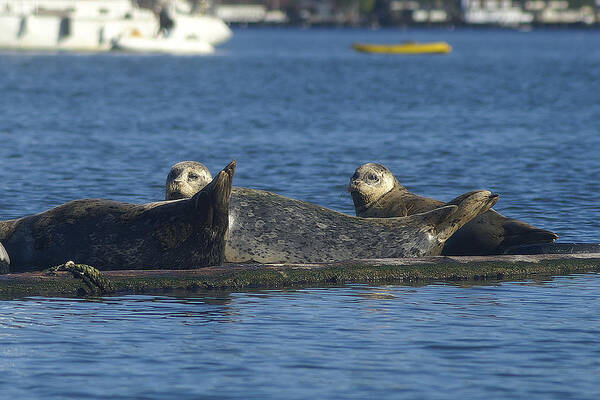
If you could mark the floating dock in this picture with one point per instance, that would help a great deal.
(237, 277)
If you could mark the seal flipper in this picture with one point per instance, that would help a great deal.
(469, 205)
(209, 209)
(4, 260)
(520, 233)
(213, 200)
(435, 217)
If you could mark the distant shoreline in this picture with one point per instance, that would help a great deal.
(538, 27)
(524, 28)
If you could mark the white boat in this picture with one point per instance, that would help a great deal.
(100, 25)
(161, 44)
(182, 38)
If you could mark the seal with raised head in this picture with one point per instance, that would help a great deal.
(377, 193)
(107, 234)
(269, 228)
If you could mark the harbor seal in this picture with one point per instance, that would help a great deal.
(107, 234)
(268, 228)
(377, 193)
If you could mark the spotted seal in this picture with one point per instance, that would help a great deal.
(377, 193)
(269, 228)
(107, 234)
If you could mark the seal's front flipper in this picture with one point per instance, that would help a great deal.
(4, 260)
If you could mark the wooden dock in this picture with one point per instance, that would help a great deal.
(236, 277)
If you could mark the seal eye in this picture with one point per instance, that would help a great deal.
(193, 176)
(372, 177)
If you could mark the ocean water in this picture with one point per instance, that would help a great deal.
(511, 340)
(513, 112)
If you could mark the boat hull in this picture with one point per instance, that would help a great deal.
(404, 48)
(162, 45)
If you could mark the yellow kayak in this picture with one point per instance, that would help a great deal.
(404, 48)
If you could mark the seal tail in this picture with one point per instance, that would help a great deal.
(469, 205)
(214, 197)
(520, 233)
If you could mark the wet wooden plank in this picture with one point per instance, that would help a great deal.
(270, 276)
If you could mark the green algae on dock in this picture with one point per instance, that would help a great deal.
(272, 276)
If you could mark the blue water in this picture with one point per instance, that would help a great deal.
(513, 340)
(513, 112)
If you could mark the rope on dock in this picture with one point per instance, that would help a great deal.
(96, 282)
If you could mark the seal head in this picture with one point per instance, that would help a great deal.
(185, 179)
(370, 183)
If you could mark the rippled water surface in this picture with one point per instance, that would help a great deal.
(513, 112)
(510, 340)
(517, 113)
